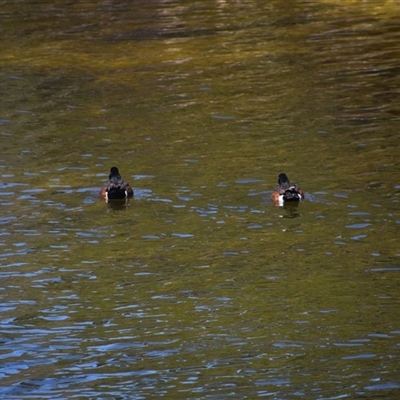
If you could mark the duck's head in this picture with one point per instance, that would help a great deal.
(283, 179)
(114, 174)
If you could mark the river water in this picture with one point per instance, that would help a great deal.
(199, 287)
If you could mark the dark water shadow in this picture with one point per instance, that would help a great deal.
(118, 205)
(291, 210)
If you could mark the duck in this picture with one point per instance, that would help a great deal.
(116, 188)
(286, 192)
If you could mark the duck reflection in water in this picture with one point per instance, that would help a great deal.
(291, 210)
(120, 205)
(286, 193)
(115, 188)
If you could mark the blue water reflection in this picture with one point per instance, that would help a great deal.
(199, 287)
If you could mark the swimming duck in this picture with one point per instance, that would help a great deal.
(286, 192)
(116, 188)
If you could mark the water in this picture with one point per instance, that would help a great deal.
(199, 287)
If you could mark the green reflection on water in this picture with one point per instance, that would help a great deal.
(200, 276)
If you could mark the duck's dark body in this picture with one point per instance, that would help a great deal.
(116, 188)
(286, 191)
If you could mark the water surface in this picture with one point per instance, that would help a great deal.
(199, 287)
